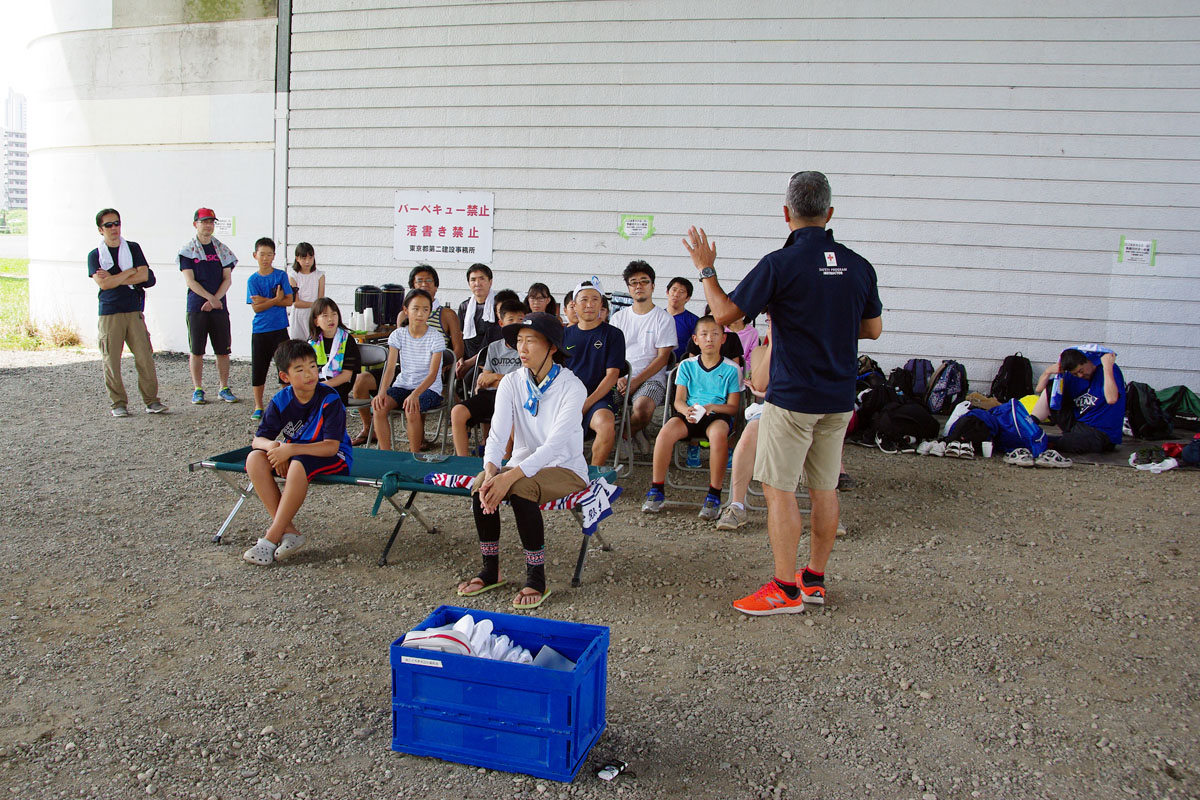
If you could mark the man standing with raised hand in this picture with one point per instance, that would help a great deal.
(120, 269)
(823, 298)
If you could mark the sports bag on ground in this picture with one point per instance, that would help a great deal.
(1014, 379)
(921, 370)
(947, 388)
(1182, 405)
(1147, 419)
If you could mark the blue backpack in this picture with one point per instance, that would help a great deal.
(947, 388)
(921, 370)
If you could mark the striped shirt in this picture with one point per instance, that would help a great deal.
(415, 356)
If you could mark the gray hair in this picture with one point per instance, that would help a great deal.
(809, 195)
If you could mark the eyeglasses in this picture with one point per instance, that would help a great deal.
(116, 224)
(639, 283)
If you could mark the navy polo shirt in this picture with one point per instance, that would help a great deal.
(817, 292)
(121, 299)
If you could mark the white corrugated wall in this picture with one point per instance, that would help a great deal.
(986, 157)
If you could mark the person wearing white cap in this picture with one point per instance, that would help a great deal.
(595, 353)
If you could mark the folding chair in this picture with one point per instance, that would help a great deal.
(372, 358)
(624, 429)
(621, 413)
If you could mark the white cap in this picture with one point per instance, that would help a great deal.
(592, 283)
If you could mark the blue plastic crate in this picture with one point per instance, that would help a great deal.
(510, 717)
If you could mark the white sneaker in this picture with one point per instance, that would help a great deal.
(290, 544)
(938, 450)
(641, 444)
(1021, 457)
(924, 447)
(732, 518)
(261, 555)
(624, 450)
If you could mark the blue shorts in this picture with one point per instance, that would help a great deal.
(428, 399)
(321, 465)
(602, 403)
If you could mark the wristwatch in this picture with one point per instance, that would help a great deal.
(707, 272)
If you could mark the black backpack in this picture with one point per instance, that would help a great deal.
(1147, 419)
(1014, 379)
(947, 388)
(905, 419)
(901, 380)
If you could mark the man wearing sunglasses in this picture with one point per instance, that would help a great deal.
(120, 269)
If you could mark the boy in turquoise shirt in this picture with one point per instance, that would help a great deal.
(268, 292)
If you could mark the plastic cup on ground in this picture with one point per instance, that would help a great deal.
(987, 449)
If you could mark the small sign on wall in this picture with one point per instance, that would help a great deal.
(1137, 251)
(443, 226)
(636, 226)
(225, 227)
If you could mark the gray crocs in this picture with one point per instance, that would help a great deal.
(290, 544)
(262, 554)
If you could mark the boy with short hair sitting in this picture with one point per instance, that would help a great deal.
(498, 360)
(703, 409)
(312, 420)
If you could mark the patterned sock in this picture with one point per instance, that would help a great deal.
(491, 562)
(535, 569)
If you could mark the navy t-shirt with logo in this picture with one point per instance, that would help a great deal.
(208, 272)
(817, 292)
(121, 299)
(1087, 400)
(592, 353)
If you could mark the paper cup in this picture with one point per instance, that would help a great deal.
(987, 449)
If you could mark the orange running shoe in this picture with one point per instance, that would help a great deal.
(811, 592)
(769, 599)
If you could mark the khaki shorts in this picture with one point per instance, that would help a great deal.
(548, 484)
(792, 445)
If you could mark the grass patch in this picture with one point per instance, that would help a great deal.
(14, 221)
(17, 332)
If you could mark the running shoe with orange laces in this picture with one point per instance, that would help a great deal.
(769, 599)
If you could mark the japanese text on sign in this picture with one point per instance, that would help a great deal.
(443, 226)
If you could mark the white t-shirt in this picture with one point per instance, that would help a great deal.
(415, 357)
(644, 335)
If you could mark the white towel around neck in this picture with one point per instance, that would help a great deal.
(124, 256)
(489, 313)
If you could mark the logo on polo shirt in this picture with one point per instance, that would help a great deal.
(831, 259)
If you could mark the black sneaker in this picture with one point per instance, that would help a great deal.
(845, 482)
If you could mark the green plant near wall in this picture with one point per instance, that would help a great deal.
(218, 10)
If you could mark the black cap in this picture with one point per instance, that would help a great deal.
(548, 325)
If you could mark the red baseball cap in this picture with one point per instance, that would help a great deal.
(204, 213)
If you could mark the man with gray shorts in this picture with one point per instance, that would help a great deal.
(823, 298)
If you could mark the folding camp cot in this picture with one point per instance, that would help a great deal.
(390, 473)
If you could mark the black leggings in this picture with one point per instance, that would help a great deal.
(533, 538)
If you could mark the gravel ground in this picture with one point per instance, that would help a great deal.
(993, 632)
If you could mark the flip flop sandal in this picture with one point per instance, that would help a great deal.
(485, 588)
(530, 606)
(358, 441)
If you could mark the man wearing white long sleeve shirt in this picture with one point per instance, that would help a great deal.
(541, 406)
